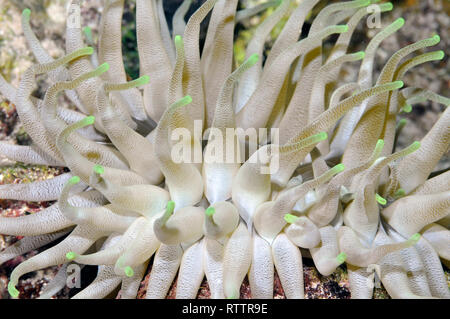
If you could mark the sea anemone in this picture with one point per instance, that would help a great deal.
(338, 192)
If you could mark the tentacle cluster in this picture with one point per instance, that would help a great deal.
(375, 211)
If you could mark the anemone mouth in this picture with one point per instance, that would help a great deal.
(330, 179)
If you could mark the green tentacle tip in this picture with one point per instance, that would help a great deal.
(398, 84)
(360, 55)
(290, 219)
(342, 257)
(89, 120)
(170, 206)
(380, 199)
(74, 180)
(88, 33)
(402, 122)
(186, 100)
(440, 55)
(210, 211)
(99, 169)
(380, 144)
(436, 38)
(400, 193)
(415, 238)
(338, 168)
(178, 40)
(26, 13)
(71, 255)
(253, 59)
(388, 6)
(86, 51)
(342, 28)
(129, 272)
(415, 146)
(322, 136)
(142, 80)
(102, 68)
(407, 108)
(400, 22)
(12, 290)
